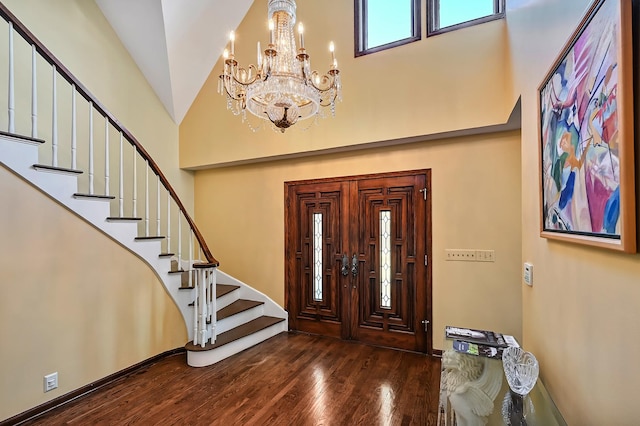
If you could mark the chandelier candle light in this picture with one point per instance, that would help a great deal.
(281, 88)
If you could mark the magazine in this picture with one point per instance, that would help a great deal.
(477, 349)
(483, 337)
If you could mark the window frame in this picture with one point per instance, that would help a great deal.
(433, 18)
(360, 36)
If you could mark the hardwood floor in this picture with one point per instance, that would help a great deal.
(291, 379)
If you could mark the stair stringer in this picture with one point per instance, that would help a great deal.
(19, 155)
(270, 307)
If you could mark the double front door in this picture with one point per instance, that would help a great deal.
(357, 258)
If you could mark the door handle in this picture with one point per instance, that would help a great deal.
(345, 265)
(354, 265)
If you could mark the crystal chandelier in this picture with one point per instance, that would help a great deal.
(281, 88)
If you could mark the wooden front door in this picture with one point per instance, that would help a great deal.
(357, 258)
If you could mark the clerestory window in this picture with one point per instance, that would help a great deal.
(448, 15)
(382, 24)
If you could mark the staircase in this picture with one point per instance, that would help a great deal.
(245, 317)
(223, 315)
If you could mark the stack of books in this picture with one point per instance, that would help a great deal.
(479, 342)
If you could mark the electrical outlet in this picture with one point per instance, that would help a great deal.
(50, 381)
(461, 255)
(485, 256)
(528, 274)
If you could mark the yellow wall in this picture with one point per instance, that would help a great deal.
(240, 209)
(73, 301)
(476, 195)
(581, 315)
(435, 91)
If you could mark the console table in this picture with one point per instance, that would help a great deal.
(474, 391)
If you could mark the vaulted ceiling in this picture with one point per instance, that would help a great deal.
(175, 42)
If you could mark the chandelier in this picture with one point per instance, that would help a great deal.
(281, 88)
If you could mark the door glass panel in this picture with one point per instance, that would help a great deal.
(317, 257)
(385, 259)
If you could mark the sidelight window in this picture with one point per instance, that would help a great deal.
(317, 257)
(385, 259)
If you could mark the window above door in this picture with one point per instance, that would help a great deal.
(382, 24)
(449, 15)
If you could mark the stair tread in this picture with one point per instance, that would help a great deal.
(26, 138)
(237, 333)
(236, 307)
(57, 169)
(222, 289)
(117, 218)
(166, 254)
(96, 196)
(179, 271)
(154, 237)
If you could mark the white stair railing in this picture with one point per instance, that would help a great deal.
(100, 176)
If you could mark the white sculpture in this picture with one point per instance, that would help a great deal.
(472, 384)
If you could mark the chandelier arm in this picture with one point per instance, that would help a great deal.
(225, 86)
(245, 83)
(333, 98)
(252, 71)
(325, 77)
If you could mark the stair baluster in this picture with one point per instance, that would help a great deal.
(189, 268)
(158, 207)
(34, 94)
(106, 156)
(202, 320)
(90, 148)
(146, 199)
(12, 96)
(180, 240)
(121, 180)
(196, 323)
(168, 222)
(74, 129)
(134, 209)
(54, 117)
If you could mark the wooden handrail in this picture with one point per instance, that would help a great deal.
(21, 29)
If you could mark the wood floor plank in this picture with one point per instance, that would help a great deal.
(291, 379)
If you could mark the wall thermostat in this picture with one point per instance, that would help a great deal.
(528, 274)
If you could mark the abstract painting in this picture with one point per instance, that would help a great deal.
(586, 132)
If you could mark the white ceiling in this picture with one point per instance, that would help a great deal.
(175, 43)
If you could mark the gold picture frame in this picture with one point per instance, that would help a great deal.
(586, 126)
